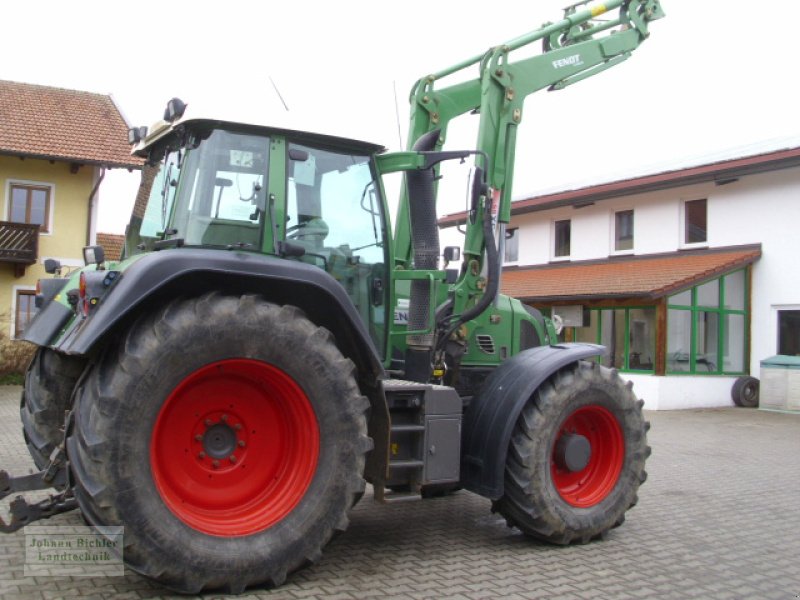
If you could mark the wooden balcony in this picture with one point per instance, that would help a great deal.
(19, 245)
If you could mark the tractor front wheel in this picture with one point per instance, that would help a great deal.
(227, 435)
(576, 457)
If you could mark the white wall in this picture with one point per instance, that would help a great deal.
(681, 391)
(762, 208)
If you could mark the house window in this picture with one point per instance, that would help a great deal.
(789, 332)
(30, 204)
(623, 230)
(561, 234)
(706, 327)
(25, 311)
(512, 246)
(695, 222)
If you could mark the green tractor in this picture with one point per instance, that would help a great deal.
(267, 346)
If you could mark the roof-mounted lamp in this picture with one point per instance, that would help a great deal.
(136, 135)
(175, 109)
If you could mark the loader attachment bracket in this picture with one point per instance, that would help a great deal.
(23, 513)
(55, 475)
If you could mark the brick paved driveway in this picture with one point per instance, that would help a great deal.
(718, 518)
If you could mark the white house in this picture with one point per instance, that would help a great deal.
(689, 276)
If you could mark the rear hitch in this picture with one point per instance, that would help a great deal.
(55, 475)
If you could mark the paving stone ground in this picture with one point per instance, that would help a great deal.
(719, 517)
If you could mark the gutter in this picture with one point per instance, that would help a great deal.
(90, 207)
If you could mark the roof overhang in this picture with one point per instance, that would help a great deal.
(644, 277)
(137, 165)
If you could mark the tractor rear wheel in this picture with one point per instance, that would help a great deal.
(49, 382)
(585, 426)
(227, 435)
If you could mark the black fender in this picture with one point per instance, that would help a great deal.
(156, 278)
(490, 418)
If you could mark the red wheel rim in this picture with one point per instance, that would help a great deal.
(234, 447)
(592, 484)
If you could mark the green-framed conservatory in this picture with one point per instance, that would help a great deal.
(685, 313)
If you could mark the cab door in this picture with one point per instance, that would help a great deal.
(335, 213)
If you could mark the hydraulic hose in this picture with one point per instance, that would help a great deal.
(492, 286)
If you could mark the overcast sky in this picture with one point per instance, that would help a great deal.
(714, 74)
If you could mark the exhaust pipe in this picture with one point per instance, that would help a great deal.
(425, 242)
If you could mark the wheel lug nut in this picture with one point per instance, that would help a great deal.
(215, 463)
(209, 422)
(198, 438)
(201, 456)
(232, 458)
(224, 418)
(238, 426)
(242, 444)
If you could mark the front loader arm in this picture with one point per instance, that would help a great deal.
(571, 51)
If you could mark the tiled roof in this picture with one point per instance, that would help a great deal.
(61, 124)
(644, 276)
(112, 244)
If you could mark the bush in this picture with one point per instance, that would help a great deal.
(15, 356)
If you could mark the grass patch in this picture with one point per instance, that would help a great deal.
(12, 379)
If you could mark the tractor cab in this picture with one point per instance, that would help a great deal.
(299, 196)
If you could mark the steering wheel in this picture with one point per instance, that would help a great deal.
(315, 229)
(293, 232)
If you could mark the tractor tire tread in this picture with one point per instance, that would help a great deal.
(530, 501)
(46, 397)
(99, 414)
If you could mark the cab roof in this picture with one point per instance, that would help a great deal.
(162, 129)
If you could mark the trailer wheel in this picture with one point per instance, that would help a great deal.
(49, 382)
(586, 427)
(227, 435)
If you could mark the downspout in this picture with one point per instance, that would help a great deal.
(90, 206)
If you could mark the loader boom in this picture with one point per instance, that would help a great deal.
(573, 49)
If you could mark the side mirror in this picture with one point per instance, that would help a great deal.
(52, 266)
(94, 255)
(452, 254)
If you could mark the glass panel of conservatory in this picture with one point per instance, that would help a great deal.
(707, 358)
(708, 294)
(613, 337)
(679, 340)
(733, 359)
(642, 342)
(734, 290)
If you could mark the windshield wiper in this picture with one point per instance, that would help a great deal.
(170, 243)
